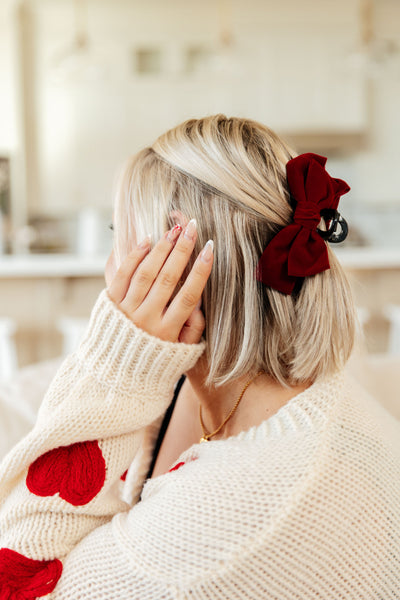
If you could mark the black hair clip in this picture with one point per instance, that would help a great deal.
(330, 235)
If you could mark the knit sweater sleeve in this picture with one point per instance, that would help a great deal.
(60, 482)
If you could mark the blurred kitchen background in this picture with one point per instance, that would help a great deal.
(86, 83)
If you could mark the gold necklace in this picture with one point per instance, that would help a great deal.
(207, 436)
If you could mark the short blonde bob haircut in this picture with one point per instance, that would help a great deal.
(230, 175)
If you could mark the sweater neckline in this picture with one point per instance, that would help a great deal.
(307, 410)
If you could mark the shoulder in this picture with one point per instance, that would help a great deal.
(313, 476)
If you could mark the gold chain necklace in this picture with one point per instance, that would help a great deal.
(207, 436)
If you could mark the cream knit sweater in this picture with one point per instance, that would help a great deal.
(304, 506)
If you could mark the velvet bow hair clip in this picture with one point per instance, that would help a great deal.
(299, 249)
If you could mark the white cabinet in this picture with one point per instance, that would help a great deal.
(162, 62)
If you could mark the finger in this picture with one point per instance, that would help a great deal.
(190, 293)
(144, 277)
(120, 283)
(193, 328)
(171, 272)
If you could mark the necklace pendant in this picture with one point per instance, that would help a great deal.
(203, 439)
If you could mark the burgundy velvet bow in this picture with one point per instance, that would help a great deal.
(298, 250)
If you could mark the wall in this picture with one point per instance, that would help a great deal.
(286, 71)
(91, 122)
(8, 134)
(87, 127)
(373, 171)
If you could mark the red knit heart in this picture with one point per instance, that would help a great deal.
(176, 467)
(124, 474)
(77, 472)
(23, 578)
(180, 464)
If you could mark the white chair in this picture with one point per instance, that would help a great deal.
(20, 398)
(363, 315)
(379, 374)
(8, 351)
(392, 313)
(72, 329)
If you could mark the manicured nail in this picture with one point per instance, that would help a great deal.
(146, 242)
(207, 252)
(190, 230)
(174, 233)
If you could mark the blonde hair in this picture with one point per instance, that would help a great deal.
(230, 174)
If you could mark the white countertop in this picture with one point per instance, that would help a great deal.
(51, 265)
(72, 265)
(368, 258)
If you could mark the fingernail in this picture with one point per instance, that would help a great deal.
(207, 252)
(146, 242)
(190, 230)
(174, 233)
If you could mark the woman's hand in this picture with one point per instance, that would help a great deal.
(144, 283)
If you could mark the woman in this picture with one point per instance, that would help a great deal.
(255, 468)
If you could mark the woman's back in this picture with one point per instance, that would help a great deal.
(304, 504)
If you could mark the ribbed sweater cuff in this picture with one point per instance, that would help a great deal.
(121, 354)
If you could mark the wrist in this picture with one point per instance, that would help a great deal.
(122, 355)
